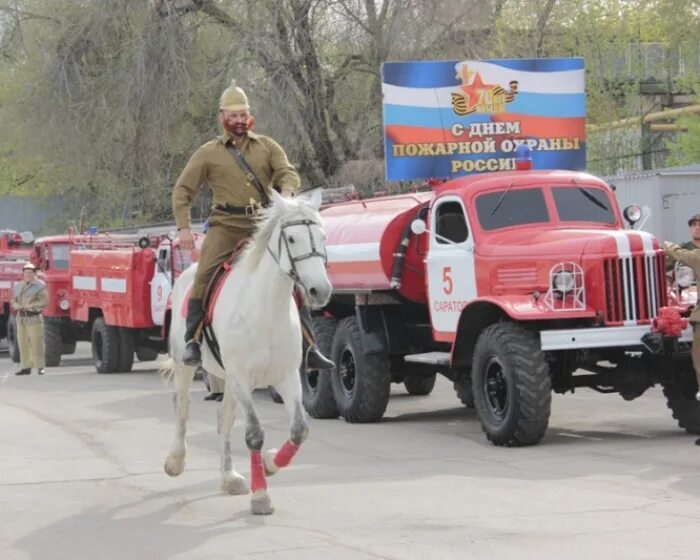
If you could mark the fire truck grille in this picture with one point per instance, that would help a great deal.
(635, 288)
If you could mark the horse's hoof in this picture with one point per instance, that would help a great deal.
(260, 503)
(174, 466)
(269, 462)
(235, 486)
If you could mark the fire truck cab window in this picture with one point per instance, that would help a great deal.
(59, 257)
(164, 260)
(451, 223)
(583, 204)
(511, 207)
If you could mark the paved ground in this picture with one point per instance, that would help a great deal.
(81, 477)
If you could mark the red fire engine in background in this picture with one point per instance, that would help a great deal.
(111, 290)
(15, 249)
(513, 285)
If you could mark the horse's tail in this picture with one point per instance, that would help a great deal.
(167, 369)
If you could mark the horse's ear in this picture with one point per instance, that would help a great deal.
(312, 197)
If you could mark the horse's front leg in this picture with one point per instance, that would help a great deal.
(290, 391)
(175, 462)
(231, 482)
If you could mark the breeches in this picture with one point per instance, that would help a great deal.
(219, 244)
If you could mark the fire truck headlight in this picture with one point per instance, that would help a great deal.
(64, 305)
(684, 276)
(563, 281)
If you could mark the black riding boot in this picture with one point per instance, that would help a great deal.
(313, 359)
(193, 355)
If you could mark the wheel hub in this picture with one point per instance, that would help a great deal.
(496, 389)
(346, 370)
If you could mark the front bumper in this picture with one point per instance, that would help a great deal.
(602, 337)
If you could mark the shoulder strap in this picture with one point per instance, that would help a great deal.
(245, 166)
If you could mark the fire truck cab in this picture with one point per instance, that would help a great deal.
(513, 285)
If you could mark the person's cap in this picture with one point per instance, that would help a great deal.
(694, 218)
(29, 266)
(233, 99)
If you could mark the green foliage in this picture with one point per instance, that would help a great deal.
(685, 148)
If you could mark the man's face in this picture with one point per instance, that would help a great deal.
(695, 231)
(234, 122)
(28, 274)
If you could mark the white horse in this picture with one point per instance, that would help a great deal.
(257, 326)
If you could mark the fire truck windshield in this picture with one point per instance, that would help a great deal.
(519, 207)
(583, 204)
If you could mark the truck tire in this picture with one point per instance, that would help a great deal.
(361, 382)
(317, 388)
(13, 345)
(680, 398)
(419, 384)
(68, 348)
(126, 350)
(105, 346)
(464, 392)
(53, 341)
(146, 354)
(511, 385)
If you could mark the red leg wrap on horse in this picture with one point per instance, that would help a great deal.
(257, 472)
(285, 455)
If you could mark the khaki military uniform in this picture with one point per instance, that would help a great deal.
(671, 261)
(690, 257)
(230, 187)
(28, 299)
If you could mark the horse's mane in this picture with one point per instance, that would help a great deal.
(266, 222)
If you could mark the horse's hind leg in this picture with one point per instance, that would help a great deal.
(175, 463)
(231, 482)
(290, 390)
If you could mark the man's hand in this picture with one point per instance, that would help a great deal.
(186, 238)
(287, 193)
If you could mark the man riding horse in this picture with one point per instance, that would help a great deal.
(240, 167)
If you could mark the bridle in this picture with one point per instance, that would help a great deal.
(292, 273)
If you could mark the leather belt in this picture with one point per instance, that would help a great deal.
(236, 210)
(26, 313)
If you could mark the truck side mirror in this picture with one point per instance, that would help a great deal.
(418, 227)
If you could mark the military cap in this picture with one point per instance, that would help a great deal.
(233, 99)
(28, 266)
(694, 218)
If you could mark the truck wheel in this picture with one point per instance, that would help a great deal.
(317, 388)
(126, 350)
(680, 398)
(146, 354)
(361, 382)
(511, 385)
(53, 341)
(105, 346)
(419, 384)
(13, 345)
(68, 348)
(463, 388)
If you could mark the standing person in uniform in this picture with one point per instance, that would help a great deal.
(690, 257)
(29, 298)
(694, 243)
(240, 167)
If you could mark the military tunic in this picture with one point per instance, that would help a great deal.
(690, 257)
(230, 186)
(28, 300)
(671, 261)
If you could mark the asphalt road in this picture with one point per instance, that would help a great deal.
(81, 477)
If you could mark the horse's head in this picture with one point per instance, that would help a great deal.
(298, 243)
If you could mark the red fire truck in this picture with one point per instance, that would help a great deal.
(15, 249)
(111, 290)
(513, 285)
